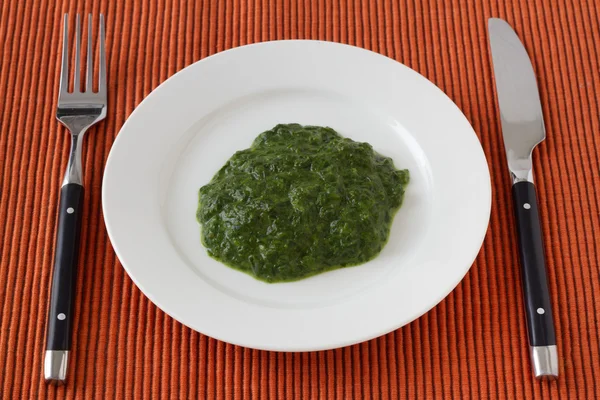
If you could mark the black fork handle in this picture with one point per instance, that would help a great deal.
(60, 314)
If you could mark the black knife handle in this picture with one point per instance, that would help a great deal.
(60, 315)
(533, 266)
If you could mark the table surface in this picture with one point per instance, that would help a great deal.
(472, 345)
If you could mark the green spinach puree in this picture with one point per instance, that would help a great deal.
(300, 201)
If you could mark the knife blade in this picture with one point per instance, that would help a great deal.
(522, 129)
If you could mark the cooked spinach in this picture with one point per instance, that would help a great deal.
(300, 201)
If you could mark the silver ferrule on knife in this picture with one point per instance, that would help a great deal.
(545, 361)
(521, 169)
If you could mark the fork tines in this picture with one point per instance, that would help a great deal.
(64, 74)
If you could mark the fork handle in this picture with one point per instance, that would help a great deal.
(60, 314)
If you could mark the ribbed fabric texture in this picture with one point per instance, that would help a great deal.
(472, 345)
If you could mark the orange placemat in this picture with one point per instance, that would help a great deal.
(472, 345)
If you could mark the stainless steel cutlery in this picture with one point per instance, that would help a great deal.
(523, 129)
(77, 111)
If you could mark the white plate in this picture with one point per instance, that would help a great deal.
(186, 129)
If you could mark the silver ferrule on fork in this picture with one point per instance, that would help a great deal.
(74, 173)
(55, 366)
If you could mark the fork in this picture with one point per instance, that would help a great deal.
(77, 111)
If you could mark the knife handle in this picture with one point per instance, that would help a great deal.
(540, 324)
(60, 314)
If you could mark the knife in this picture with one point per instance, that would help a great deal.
(523, 129)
